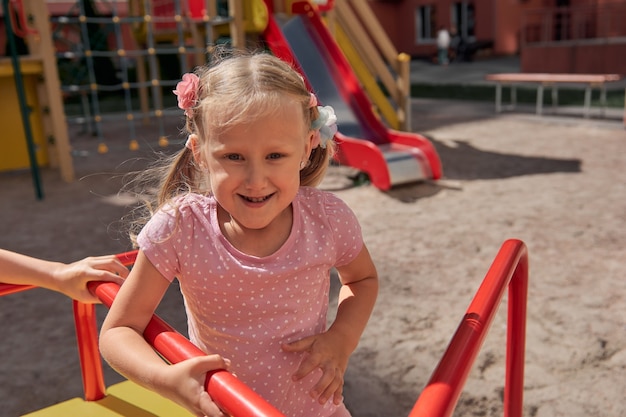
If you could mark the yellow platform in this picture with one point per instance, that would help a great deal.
(124, 399)
(14, 148)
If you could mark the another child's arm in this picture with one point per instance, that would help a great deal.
(330, 351)
(69, 279)
(123, 346)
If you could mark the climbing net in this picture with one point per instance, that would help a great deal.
(117, 59)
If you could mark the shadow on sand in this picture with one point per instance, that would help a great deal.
(462, 161)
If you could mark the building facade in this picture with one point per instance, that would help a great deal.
(576, 36)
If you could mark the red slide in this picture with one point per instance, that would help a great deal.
(387, 156)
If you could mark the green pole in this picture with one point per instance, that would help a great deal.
(21, 95)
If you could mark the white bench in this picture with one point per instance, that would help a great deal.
(551, 80)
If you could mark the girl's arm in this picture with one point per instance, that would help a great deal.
(69, 279)
(331, 350)
(124, 348)
(357, 297)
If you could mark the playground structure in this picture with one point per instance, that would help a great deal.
(141, 40)
(50, 143)
(374, 59)
(157, 41)
(88, 52)
(438, 399)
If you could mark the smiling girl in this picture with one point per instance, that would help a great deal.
(252, 243)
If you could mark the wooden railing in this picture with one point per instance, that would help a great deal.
(51, 111)
(375, 61)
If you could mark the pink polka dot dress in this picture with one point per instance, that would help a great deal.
(245, 307)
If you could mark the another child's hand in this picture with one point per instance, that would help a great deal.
(327, 352)
(72, 279)
(183, 383)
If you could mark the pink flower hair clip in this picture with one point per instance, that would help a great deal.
(187, 93)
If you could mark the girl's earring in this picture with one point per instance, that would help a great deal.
(189, 143)
(303, 164)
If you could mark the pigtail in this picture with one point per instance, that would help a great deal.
(180, 178)
(159, 185)
(315, 170)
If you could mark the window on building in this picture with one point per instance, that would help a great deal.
(464, 19)
(426, 24)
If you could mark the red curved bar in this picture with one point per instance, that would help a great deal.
(6, 289)
(232, 395)
(127, 258)
(510, 268)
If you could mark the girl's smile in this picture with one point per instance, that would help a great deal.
(256, 199)
(255, 181)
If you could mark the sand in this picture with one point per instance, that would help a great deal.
(556, 183)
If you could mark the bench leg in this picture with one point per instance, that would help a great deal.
(513, 96)
(540, 99)
(498, 98)
(603, 99)
(555, 98)
(587, 100)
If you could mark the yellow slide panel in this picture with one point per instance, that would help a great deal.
(370, 85)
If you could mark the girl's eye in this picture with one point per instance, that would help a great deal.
(274, 156)
(233, 157)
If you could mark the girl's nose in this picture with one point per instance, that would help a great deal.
(256, 176)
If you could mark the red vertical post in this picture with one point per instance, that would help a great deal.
(88, 352)
(516, 340)
(440, 396)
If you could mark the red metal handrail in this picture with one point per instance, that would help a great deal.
(439, 397)
(510, 268)
(6, 289)
(86, 326)
(127, 259)
(232, 395)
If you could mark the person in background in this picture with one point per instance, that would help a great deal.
(69, 279)
(238, 221)
(443, 45)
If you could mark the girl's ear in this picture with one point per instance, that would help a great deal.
(309, 144)
(194, 145)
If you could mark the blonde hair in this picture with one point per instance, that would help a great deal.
(236, 87)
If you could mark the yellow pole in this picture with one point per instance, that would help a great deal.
(41, 46)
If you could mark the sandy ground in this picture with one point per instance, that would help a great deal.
(556, 183)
